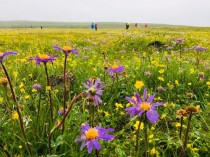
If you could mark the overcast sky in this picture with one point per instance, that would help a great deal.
(181, 12)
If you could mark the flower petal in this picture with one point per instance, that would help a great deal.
(152, 115)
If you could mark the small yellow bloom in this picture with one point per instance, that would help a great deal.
(1, 99)
(86, 110)
(161, 71)
(119, 105)
(192, 71)
(48, 88)
(22, 90)
(128, 105)
(122, 113)
(139, 84)
(20, 146)
(172, 104)
(21, 85)
(27, 97)
(165, 105)
(106, 113)
(152, 128)
(15, 115)
(177, 82)
(100, 111)
(136, 125)
(208, 83)
(189, 145)
(163, 116)
(34, 90)
(195, 149)
(189, 84)
(151, 136)
(15, 74)
(153, 151)
(177, 124)
(56, 91)
(161, 78)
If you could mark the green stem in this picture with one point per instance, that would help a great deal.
(186, 135)
(50, 97)
(180, 131)
(17, 108)
(4, 150)
(188, 128)
(63, 119)
(64, 93)
(146, 137)
(137, 138)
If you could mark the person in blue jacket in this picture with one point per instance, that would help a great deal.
(92, 26)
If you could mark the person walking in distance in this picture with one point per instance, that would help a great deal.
(92, 26)
(96, 26)
(127, 26)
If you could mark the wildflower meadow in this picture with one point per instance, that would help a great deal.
(106, 93)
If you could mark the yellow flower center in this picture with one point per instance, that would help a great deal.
(91, 134)
(198, 47)
(67, 48)
(115, 66)
(145, 106)
(1, 54)
(44, 56)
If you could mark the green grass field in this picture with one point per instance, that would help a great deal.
(177, 71)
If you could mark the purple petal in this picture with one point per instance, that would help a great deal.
(57, 48)
(85, 127)
(85, 143)
(145, 94)
(140, 113)
(149, 100)
(137, 98)
(106, 137)
(82, 138)
(153, 106)
(152, 115)
(131, 100)
(96, 144)
(90, 146)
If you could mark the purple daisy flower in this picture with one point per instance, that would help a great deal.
(94, 86)
(66, 50)
(44, 58)
(115, 69)
(90, 136)
(61, 111)
(37, 86)
(5, 54)
(144, 105)
(180, 40)
(199, 48)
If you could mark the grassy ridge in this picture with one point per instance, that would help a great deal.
(35, 24)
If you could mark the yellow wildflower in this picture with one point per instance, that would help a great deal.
(161, 78)
(15, 115)
(139, 84)
(1, 99)
(163, 116)
(136, 125)
(27, 97)
(106, 113)
(153, 151)
(48, 88)
(161, 71)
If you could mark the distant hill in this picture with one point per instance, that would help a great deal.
(38, 24)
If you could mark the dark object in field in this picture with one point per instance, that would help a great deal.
(156, 44)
